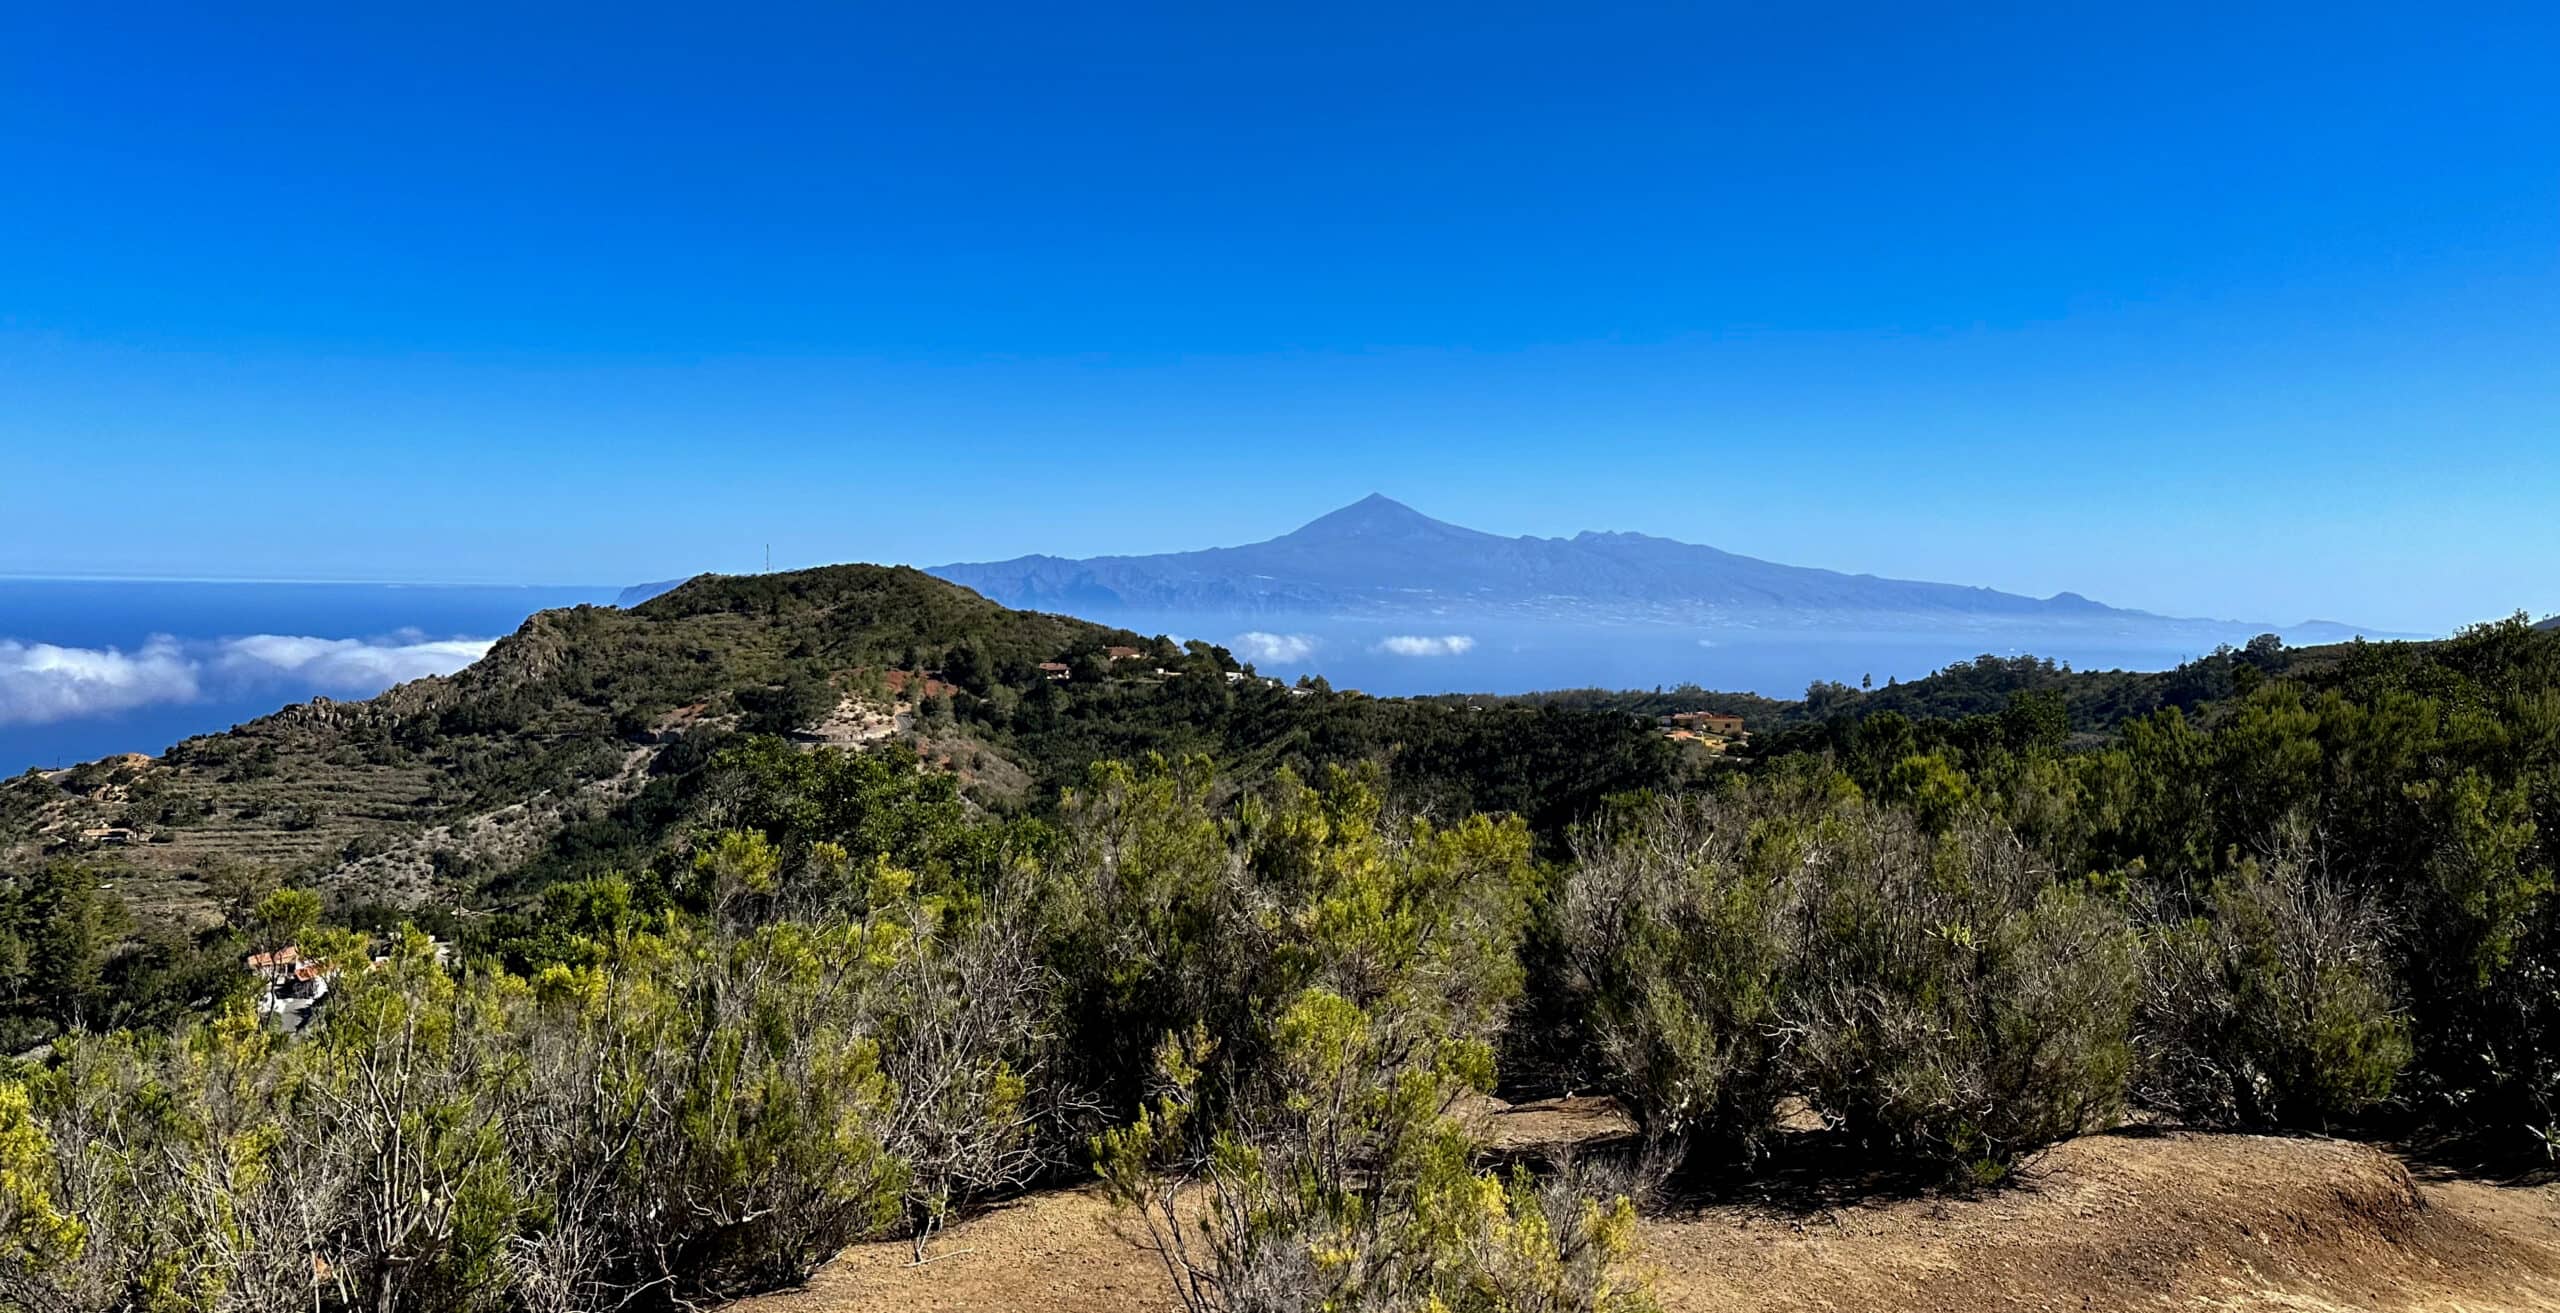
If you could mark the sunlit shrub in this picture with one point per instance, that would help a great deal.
(1680, 925)
(1347, 1185)
(1953, 1000)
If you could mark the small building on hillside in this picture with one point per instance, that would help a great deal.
(1117, 655)
(1705, 722)
(1056, 670)
(289, 986)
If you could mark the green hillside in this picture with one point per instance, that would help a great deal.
(587, 740)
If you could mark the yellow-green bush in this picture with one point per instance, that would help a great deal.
(696, 1117)
(1349, 1185)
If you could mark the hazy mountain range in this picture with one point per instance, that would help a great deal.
(638, 593)
(1380, 558)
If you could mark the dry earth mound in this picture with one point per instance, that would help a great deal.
(2117, 1222)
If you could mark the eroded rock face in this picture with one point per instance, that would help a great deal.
(856, 721)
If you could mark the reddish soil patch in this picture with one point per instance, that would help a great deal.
(899, 682)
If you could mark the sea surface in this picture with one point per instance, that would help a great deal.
(94, 667)
(1460, 655)
(91, 668)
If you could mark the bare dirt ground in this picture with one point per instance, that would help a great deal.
(2138, 1221)
(2133, 1221)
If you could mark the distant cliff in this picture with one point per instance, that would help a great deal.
(638, 593)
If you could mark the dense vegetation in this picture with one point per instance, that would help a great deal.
(855, 1011)
(778, 998)
(2093, 701)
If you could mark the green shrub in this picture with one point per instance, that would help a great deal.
(2276, 1008)
(1940, 995)
(692, 1119)
(1346, 1185)
(148, 1172)
(1679, 926)
(1355, 968)
(1168, 908)
(728, 1111)
(971, 1048)
(1952, 1000)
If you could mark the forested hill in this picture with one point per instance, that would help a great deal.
(1994, 698)
(2095, 702)
(594, 737)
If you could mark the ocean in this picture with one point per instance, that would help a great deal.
(1465, 655)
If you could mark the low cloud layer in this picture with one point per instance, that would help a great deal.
(41, 683)
(1273, 649)
(351, 663)
(1425, 645)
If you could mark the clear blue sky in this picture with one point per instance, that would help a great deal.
(2240, 310)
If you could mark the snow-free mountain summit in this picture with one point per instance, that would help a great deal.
(1379, 557)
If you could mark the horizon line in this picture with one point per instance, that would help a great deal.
(15, 576)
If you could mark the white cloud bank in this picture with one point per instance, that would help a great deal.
(41, 683)
(1273, 649)
(1424, 645)
(350, 663)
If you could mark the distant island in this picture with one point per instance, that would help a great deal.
(638, 593)
(1381, 558)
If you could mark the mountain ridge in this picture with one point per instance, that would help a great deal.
(1378, 556)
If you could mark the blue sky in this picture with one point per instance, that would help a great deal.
(2182, 307)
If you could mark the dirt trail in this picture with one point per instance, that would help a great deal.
(2120, 1222)
(2139, 1222)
